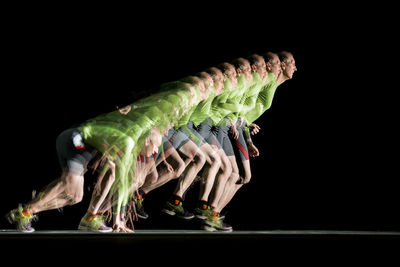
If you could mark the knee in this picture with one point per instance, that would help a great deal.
(247, 177)
(216, 160)
(200, 158)
(233, 178)
(76, 198)
(153, 177)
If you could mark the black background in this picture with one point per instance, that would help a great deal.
(328, 144)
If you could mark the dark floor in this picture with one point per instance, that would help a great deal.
(165, 242)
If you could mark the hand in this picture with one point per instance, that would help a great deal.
(120, 226)
(169, 167)
(124, 110)
(253, 151)
(254, 128)
(234, 132)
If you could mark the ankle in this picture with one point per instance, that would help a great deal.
(202, 204)
(176, 199)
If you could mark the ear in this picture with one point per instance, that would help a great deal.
(269, 66)
(253, 68)
(147, 141)
(238, 71)
(283, 65)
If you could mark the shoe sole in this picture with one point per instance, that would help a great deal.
(173, 213)
(85, 228)
(202, 217)
(11, 219)
(217, 229)
(169, 212)
(142, 217)
(186, 218)
(209, 228)
(213, 229)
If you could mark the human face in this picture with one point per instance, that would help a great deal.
(245, 69)
(218, 80)
(208, 83)
(153, 142)
(289, 67)
(231, 74)
(275, 66)
(261, 68)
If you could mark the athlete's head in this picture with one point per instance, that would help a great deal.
(257, 64)
(229, 72)
(207, 80)
(218, 78)
(242, 66)
(273, 63)
(198, 83)
(152, 142)
(288, 64)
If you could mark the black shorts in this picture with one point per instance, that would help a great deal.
(174, 139)
(223, 139)
(192, 134)
(240, 143)
(208, 132)
(73, 154)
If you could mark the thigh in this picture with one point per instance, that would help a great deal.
(241, 145)
(73, 182)
(179, 139)
(210, 153)
(190, 149)
(227, 146)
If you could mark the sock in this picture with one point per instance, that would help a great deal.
(176, 199)
(203, 204)
(215, 215)
(26, 212)
(141, 193)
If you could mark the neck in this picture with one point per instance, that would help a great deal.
(282, 78)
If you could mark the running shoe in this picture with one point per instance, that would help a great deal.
(215, 223)
(176, 208)
(94, 223)
(141, 213)
(202, 212)
(22, 219)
